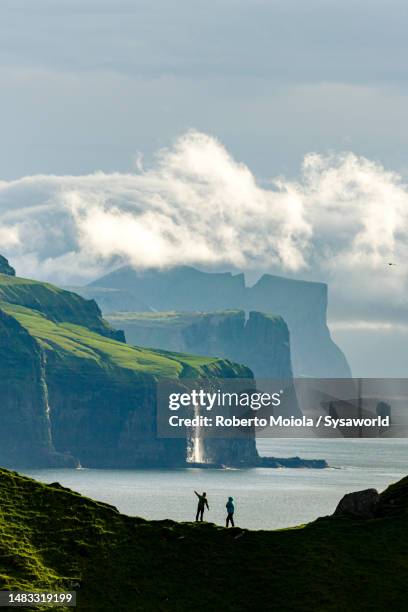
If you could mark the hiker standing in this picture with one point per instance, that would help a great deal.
(230, 512)
(202, 503)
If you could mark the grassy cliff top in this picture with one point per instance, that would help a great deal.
(75, 341)
(169, 317)
(55, 303)
(53, 538)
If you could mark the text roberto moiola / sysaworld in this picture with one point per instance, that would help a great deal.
(208, 401)
(277, 421)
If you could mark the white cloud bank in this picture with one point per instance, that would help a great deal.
(343, 221)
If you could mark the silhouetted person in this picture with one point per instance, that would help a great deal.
(202, 503)
(230, 510)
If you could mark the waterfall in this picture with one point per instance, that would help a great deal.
(197, 451)
(198, 454)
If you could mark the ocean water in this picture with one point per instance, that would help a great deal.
(264, 498)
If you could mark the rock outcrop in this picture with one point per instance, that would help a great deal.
(360, 504)
(302, 304)
(369, 503)
(292, 462)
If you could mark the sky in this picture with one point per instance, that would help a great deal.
(262, 135)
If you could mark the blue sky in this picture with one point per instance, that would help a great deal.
(85, 84)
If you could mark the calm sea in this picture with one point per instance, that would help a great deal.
(264, 498)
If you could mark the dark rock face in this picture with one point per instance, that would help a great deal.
(360, 504)
(5, 267)
(106, 417)
(303, 305)
(25, 432)
(266, 344)
(261, 342)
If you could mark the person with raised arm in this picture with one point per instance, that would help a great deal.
(202, 503)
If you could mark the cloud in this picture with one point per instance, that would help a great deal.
(196, 205)
(343, 221)
(8, 237)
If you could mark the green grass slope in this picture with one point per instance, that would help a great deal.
(53, 538)
(55, 303)
(72, 341)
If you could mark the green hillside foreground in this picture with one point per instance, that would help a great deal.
(52, 538)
